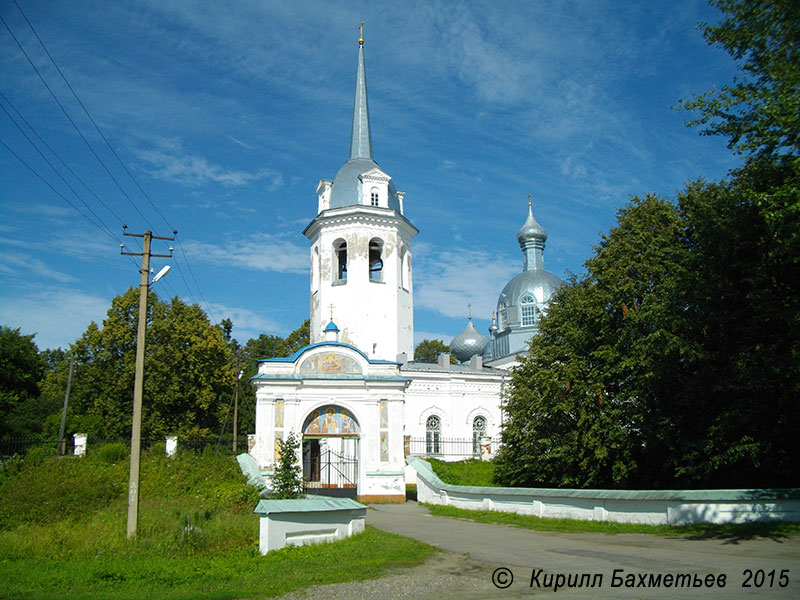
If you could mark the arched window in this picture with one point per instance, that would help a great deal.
(375, 260)
(528, 309)
(373, 197)
(433, 433)
(478, 431)
(340, 259)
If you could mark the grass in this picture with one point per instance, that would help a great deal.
(465, 472)
(741, 531)
(63, 522)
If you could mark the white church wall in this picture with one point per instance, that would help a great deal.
(457, 398)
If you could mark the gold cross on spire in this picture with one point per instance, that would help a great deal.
(529, 199)
(331, 307)
(469, 310)
(361, 34)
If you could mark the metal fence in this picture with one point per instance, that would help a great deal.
(436, 447)
(10, 446)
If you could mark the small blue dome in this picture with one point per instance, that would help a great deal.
(331, 327)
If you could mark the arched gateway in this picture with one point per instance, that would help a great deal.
(330, 452)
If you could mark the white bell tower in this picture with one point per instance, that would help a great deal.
(361, 250)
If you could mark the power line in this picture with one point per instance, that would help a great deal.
(55, 191)
(85, 110)
(30, 141)
(63, 163)
(108, 144)
(74, 125)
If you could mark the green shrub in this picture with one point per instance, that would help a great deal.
(36, 455)
(157, 449)
(113, 453)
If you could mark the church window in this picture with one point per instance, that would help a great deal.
(478, 431)
(528, 310)
(373, 197)
(340, 257)
(375, 260)
(433, 433)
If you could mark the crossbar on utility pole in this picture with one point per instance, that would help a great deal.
(138, 383)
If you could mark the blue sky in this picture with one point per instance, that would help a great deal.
(228, 114)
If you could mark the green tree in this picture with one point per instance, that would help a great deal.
(590, 406)
(287, 481)
(428, 351)
(743, 295)
(759, 112)
(21, 368)
(188, 378)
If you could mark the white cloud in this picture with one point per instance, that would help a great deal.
(58, 316)
(248, 324)
(170, 163)
(24, 265)
(446, 281)
(260, 252)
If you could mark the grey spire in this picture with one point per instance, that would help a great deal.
(360, 136)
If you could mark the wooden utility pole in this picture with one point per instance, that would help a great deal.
(236, 406)
(61, 444)
(136, 427)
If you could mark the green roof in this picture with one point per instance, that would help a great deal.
(316, 504)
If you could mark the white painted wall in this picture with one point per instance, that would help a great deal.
(377, 317)
(277, 530)
(456, 397)
(673, 507)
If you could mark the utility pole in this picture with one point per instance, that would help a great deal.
(61, 445)
(236, 406)
(136, 427)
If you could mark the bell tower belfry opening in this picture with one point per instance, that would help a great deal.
(360, 244)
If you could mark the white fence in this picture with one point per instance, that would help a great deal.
(654, 507)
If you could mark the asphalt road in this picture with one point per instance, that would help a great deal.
(771, 566)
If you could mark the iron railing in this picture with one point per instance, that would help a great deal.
(434, 446)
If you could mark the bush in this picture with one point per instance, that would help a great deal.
(36, 455)
(287, 481)
(113, 453)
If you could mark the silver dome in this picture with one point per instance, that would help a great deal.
(346, 188)
(531, 231)
(541, 284)
(468, 343)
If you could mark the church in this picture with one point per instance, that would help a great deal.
(353, 395)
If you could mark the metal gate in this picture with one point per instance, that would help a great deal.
(327, 472)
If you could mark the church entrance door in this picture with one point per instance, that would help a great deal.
(330, 453)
